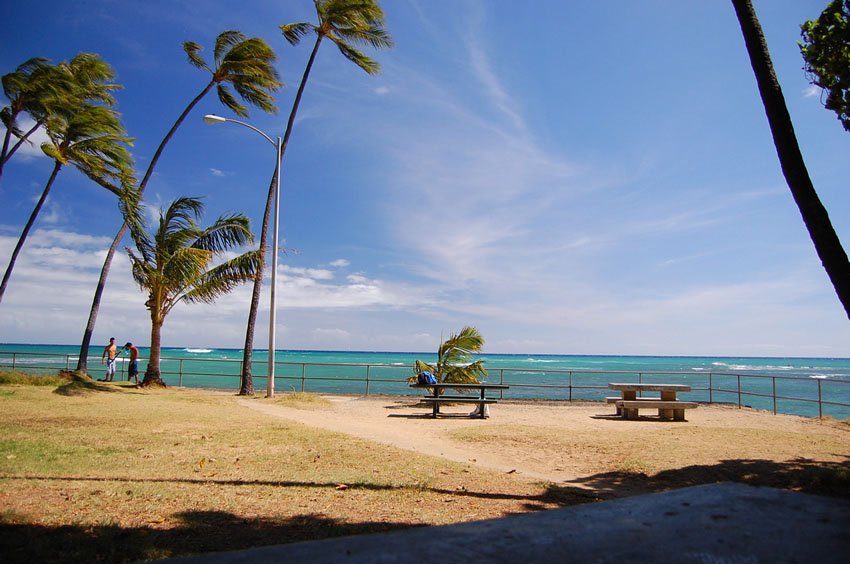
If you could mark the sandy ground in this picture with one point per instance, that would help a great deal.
(558, 442)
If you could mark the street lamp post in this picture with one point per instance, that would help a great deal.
(212, 120)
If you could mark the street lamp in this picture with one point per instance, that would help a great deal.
(212, 120)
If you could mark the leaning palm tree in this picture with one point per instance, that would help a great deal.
(344, 22)
(454, 359)
(40, 89)
(92, 140)
(814, 214)
(175, 264)
(246, 64)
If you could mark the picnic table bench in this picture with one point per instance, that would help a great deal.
(628, 403)
(436, 398)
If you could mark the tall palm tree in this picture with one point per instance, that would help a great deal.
(92, 140)
(346, 23)
(174, 264)
(814, 214)
(246, 64)
(41, 89)
(454, 359)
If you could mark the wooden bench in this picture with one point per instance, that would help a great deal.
(667, 409)
(629, 391)
(436, 398)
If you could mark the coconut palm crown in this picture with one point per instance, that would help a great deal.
(41, 90)
(92, 140)
(174, 264)
(346, 23)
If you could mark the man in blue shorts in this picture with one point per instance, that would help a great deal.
(133, 369)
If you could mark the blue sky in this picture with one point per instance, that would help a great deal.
(569, 177)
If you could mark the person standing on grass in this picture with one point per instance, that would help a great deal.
(108, 356)
(133, 369)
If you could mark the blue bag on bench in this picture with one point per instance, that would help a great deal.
(426, 378)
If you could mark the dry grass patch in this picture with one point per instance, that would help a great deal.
(134, 474)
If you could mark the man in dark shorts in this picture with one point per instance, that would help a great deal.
(133, 369)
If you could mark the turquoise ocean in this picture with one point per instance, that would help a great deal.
(801, 386)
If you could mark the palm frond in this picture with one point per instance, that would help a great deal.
(225, 277)
(295, 31)
(230, 101)
(225, 41)
(356, 57)
(226, 233)
(193, 52)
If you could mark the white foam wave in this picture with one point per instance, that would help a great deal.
(198, 350)
(745, 367)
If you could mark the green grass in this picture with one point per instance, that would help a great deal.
(21, 379)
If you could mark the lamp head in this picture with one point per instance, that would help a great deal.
(211, 119)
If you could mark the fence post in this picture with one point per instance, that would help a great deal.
(180, 374)
(570, 389)
(303, 374)
(773, 381)
(368, 371)
(710, 389)
(820, 403)
(738, 376)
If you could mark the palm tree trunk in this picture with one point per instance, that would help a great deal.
(82, 361)
(814, 214)
(17, 145)
(27, 228)
(247, 382)
(246, 387)
(107, 263)
(6, 139)
(153, 376)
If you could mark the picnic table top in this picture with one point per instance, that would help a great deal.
(482, 385)
(632, 387)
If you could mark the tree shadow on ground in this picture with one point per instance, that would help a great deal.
(201, 532)
(803, 475)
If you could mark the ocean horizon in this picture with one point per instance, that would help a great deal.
(806, 386)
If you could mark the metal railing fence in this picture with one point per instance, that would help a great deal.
(807, 396)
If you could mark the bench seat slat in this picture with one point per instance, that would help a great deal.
(660, 404)
(459, 400)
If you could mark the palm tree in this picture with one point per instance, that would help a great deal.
(93, 140)
(814, 214)
(454, 359)
(40, 90)
(344, 22)
(245, 64)
(174, 264)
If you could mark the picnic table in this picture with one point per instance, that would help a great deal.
(628, 403)
(436, 397)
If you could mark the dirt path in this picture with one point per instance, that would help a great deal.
(558, 442)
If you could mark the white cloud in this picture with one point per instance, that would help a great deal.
(382, 90)
(812, 90)
(340, 263)
(217, 172)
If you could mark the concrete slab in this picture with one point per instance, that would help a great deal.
(718, 523)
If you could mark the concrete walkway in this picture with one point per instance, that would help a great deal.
(718, 523)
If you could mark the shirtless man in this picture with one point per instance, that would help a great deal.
(108, 356)
(133, 369)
